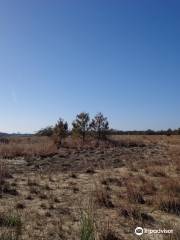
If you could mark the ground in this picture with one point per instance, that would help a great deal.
(108, 189)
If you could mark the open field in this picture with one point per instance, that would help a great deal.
(106, 190)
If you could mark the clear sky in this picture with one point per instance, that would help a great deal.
(61, 57)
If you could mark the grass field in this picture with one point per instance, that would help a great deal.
(88, 192)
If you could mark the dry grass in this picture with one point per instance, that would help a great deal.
(107, 233)
(36, 146)
(134, 195)
(133, 182)
(12, 226)
(169, 204)
(102, 197)
(4, 172)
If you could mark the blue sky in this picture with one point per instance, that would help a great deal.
(61, 57)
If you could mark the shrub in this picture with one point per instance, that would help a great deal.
(60, 132)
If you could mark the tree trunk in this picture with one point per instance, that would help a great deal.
(83, 137)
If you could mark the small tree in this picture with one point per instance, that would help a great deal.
(178, 131)
(48, 131)
(81, 124)
(60, 131)
(169, 132)
(99, 125)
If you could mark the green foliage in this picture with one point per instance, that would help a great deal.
(81, 124)
(87, 230)
(13, 224)
(60, 131)
(11, 220)
(48, 131)
(99, 125)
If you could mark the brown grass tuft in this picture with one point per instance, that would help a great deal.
(134, 195)
(102, 196)
(169, 204)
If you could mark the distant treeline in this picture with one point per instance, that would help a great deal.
(48, 131)
(167, 132)
(6, 135)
